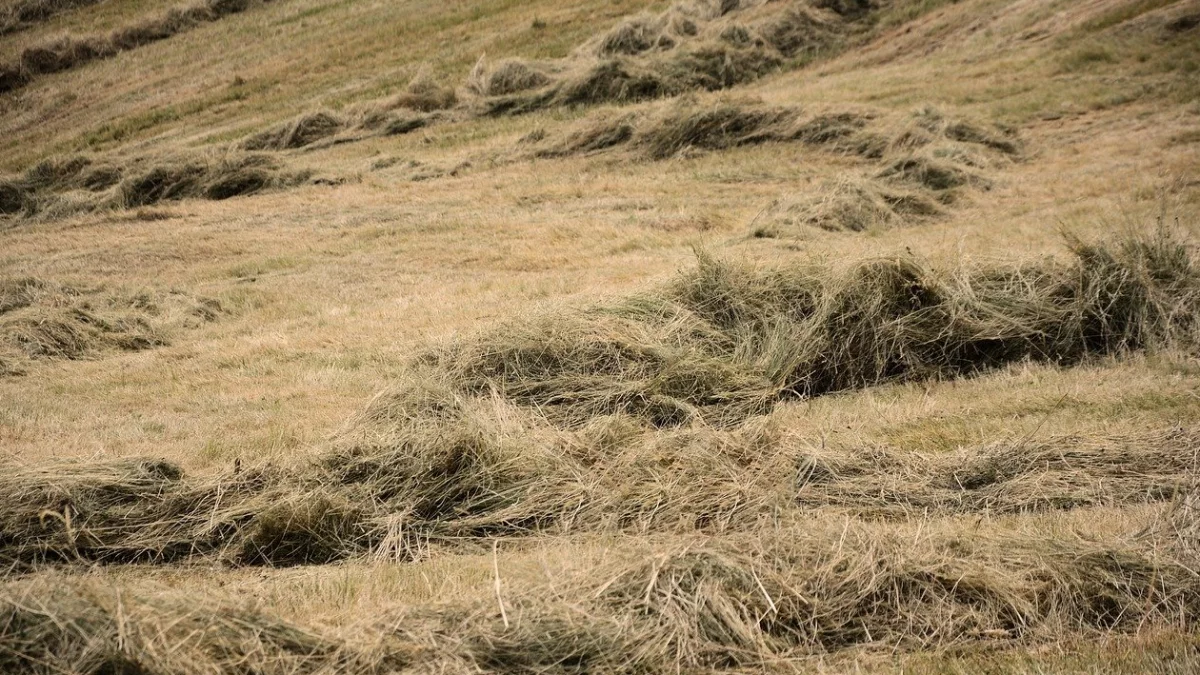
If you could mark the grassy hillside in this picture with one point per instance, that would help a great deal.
(355, 336)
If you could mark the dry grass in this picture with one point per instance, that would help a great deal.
(831, 455)
(70, 51)
(64, 186)
(662, 605)
(45, 320)
(22, 14)
(554, 425)
(693, 46)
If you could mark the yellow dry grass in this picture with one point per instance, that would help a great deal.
(328, 290)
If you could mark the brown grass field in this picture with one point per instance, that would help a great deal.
(354, 336)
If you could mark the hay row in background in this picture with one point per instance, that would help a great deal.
(71, 51)
(63, 186)
(19, 15)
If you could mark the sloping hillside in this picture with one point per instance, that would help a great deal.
(758, 335)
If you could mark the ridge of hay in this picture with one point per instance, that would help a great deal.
(724, 340)
(689, 47)
(663, 605)
(302, 131)
(71, 51)
(23, 14)
(63, 186)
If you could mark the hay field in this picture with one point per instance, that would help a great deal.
(599, 336)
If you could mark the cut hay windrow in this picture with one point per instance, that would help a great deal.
(914, 171)
(63, 186)
(650, 415)
(694, 46)
(741, 602)
(18, 15)
(71, 51)
(321, 128)
(724, 342)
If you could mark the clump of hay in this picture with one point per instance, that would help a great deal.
(687, 126)
(842, 132)
(219, 177)
(23, 14)
(424, 94)
(801, 32)
(927, 163)
(64, 53)
(725, 125)
(510, 76)
(846, 205)
(147, 511)
(636, 35)
(928, 173)
(43, 320)
(610, 81)
(66, 625)
(592, 136)
(19, 292)
(297, 133)
(14, 198)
